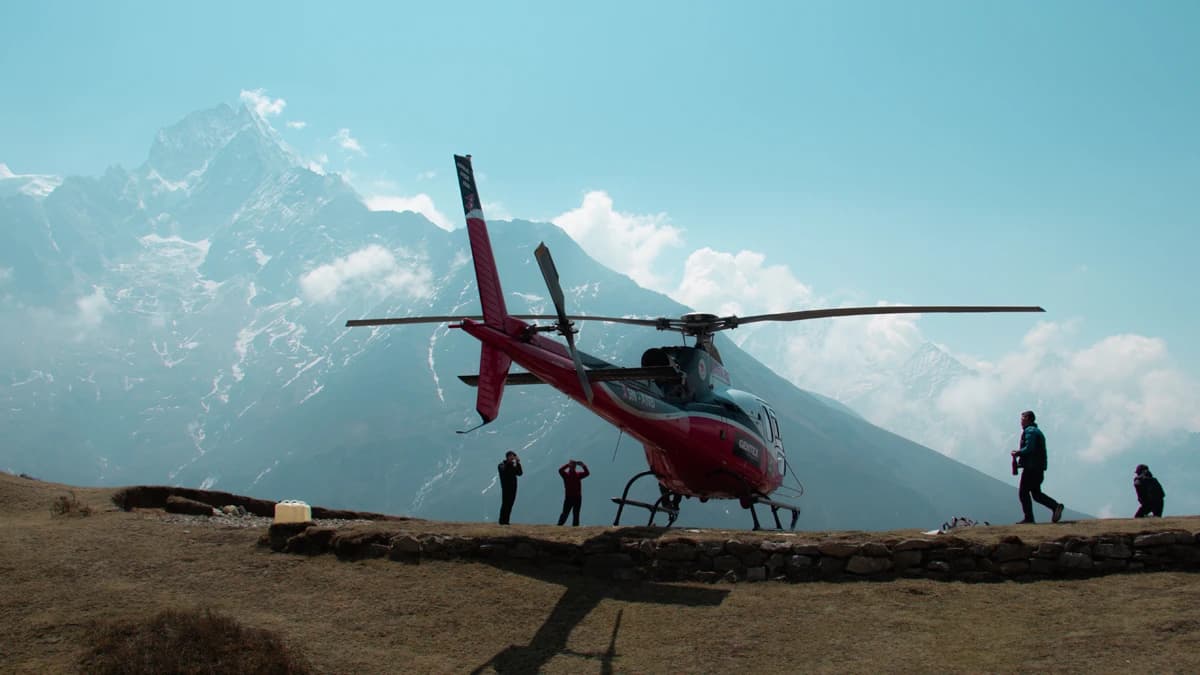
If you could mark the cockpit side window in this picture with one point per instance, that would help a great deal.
(765, 420)
(774, 424)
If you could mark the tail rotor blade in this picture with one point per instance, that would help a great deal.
(550, 274)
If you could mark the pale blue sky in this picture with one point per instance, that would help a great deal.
(920, 152)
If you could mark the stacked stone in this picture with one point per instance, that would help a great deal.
(626, 558)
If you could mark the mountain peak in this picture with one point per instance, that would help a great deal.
(187, 145)
(185, 149)
(930, 358)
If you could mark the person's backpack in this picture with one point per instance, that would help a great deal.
(1155, 489)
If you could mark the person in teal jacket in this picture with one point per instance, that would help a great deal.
(1031, 458)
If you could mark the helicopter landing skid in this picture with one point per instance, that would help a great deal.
(663, 504)
(775, 506)
(759, 498)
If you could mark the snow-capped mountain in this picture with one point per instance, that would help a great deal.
(183, 323)
(29, 184)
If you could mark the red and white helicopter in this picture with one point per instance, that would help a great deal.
(703, 438)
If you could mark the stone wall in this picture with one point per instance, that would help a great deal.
(620, 556)
(157, 496)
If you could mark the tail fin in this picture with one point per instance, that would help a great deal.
(493, 363)
(491, 297)
(493, 371)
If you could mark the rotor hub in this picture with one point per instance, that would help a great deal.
(699, 324)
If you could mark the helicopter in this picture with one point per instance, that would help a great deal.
(703, 437)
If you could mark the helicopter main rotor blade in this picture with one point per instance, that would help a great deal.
(550, 274)
(354, 323)
(733, 322)
(583, 378)
(609, 319)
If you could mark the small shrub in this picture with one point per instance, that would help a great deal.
(70, 505)
(190, 642)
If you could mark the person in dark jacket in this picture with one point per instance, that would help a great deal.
(572, 490)
(1149, 492)
(509, 469)
(1031, 458)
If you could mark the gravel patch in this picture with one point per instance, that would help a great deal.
(247, 521)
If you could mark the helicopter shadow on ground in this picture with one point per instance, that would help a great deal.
(582, 594)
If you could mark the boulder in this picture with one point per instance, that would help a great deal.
(191, 507)
(361, 545)
(837, 549)
(1010, 551)
(874, 550)
(1073, 560)
(912, 545)
(1155, 539)
(865, 564)
(1112, 549)
(906, 559)
(1049, 550)
(311, 540)
(677, 550)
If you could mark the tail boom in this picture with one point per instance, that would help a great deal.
(487, 277)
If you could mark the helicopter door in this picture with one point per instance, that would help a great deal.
(762, 420)
(775, 439)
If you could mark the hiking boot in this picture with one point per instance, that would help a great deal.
(1057, 513)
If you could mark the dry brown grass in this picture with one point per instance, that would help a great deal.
(64, 576)
(69, 505)
(191, 642)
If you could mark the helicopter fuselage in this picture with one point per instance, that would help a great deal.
(702, 438)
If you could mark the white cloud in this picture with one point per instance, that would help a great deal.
(496, 211)
(372, 269)
(844, 358)
(628, 243)
(6, 273)
(258, 101)
(348, 142)
(1115, 358)
(1112, 394)
(296, 124)
(93, 308)
(726, 283)
(317, 165)
(427, 175)
(420, 203)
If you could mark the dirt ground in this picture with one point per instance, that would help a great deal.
(64, 576)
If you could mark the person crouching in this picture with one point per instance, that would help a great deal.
(1149, 492)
